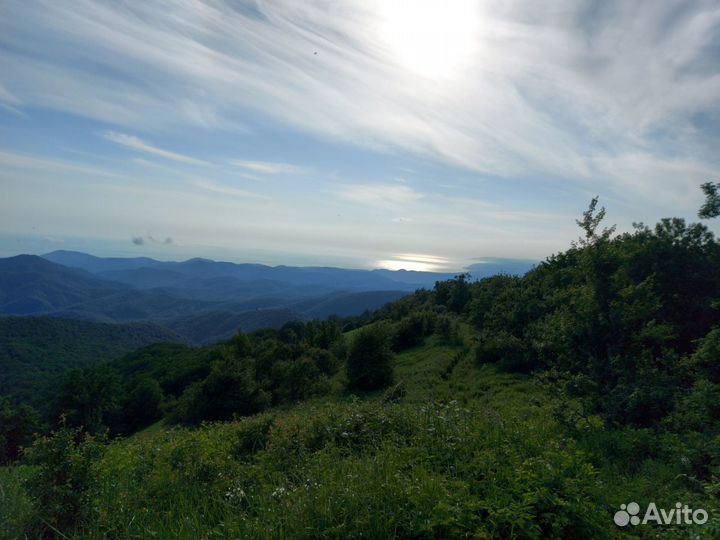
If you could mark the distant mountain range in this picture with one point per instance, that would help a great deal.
(199, 299)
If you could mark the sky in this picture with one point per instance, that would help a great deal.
(418, 134)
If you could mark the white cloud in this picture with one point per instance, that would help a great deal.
(7, 97)
(226, 190)
(267, 167)
(8, 102)
(584, 91)
(379, 195)
(135, 143)
(30, 161)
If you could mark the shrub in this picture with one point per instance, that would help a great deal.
(446, 329)
(706, 359)
(410, 332)
(395, 393)
(142, 406)
(17, 515)
(294, 380)
(453, 294)
(17, 425)
(698, 410)
(369, 364)
(325, 360)
(229, 390)
(505, 350)
(88, 398)
(62, 477)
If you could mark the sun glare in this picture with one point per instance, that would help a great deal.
(433, 38)
(416, 262)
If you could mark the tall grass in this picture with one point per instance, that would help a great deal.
(17, 514)
(465, 452)
(358, 470)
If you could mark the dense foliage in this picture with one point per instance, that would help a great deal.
(189, 385)
(17, 426)
(522, 407)
(34, 351)
(618, 323)
(368, 363)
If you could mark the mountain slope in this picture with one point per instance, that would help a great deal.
(202, 300)
(328, 279)
(425, 465)
(30, 284)
(218, 325)
(36, 350)
(348, 304)
(90, 263)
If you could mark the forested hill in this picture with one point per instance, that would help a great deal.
(34, 351)
(509, 408)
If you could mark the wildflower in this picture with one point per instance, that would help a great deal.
(236, 494)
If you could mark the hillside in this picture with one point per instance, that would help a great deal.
(35, 351)
(213, 326)
(508, 408)
(463, 451)
(30, 285)
(201, 300)
(150, 273)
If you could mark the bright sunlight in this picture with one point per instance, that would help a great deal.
(432, 38)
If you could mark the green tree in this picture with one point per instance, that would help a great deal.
(229, 390)
(241, 345)
(90, 398)
(453, 294)
(711, 207)
(61, 478)
(297, 379)
(17, 426)
(142, 405)
(369, 364)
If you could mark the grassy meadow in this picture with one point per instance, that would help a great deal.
(453, 450)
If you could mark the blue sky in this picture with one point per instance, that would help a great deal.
(419, 134)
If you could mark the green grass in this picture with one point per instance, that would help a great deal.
(151, 431)
(17, 514)
(468, 452)
(352, 470)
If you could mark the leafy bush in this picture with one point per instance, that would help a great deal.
(229, 390)
(354, 470)
(17, 425)
(410, 331)
(617, 312)
(17, 514)
(142, 406)
(454, 294)
(706, 359)
(503, 348)
(299, 379)
(88, 398)
(61, 478)
(446, 329)
(369, 364)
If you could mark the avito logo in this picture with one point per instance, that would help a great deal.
(629, 514)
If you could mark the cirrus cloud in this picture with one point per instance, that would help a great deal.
(136, 143)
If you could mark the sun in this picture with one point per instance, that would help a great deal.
(431, 38)
(414, 262)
